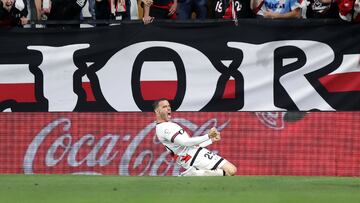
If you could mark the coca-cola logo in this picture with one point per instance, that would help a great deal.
(61, 150)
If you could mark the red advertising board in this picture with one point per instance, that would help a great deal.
(276, 143)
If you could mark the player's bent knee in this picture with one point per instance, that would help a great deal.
(233, 170)
(229, 169)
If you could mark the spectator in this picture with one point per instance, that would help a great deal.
(223, 9)
(66, 9)
(13, 13)
(187, 7)
(349, 10)
(59, 10)
(316, 9)
(88, 11)
(30, 4)
(279, 9)
(42, 9)
(102, 9)
(134, 10)
(38, 9)
(110, 9)
(121, 8)
(92, 9)
(159, 9)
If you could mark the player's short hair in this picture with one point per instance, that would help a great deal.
(156, 103)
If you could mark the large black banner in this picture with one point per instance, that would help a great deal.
(259, 65)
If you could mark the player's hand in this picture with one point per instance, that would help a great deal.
(213, 132)
(216, 138)
(214, 135)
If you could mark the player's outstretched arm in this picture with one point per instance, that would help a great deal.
(186, 141)
(203, 141)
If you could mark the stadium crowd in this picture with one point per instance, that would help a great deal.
(21, 12)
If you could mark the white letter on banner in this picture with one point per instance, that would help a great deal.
(58, 68)
(258, 71)
(116, 74)
(318, 55)
(15, 74)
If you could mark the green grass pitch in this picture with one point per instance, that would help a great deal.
(239, 189)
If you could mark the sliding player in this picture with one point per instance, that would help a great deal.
(190, 152)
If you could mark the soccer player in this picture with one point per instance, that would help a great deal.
(190, 152)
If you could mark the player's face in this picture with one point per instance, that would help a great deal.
(164, 110)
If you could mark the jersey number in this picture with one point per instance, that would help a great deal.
(209, 155)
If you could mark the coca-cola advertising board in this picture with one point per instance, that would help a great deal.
(265, 143)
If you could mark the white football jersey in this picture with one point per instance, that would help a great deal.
(177, 141)
(188, 151)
